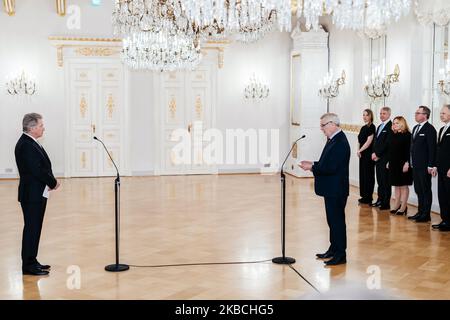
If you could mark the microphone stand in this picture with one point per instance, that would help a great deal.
(117, 267)
(283, 259)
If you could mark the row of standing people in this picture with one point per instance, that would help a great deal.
(400, 158)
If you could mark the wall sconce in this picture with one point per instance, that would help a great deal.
(329, 88)
(21, 85)
(61, 7)
(10, 7)
(444, 83)
(256, 89)
(379, 85)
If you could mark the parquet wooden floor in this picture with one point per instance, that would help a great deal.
(188, 219)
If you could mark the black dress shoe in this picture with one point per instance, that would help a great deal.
(385, 207)
(445, 228)
(365, 201)
(336, 261)
(325, 255)
(414, 217)
(35, 272)
(376, 204)
(43, 266)
(423, 218)
(437, 226)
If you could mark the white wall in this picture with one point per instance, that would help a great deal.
(24, 45)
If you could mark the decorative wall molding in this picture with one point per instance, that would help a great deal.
(353, 128)
(86, 47)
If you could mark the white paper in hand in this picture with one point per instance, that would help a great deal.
(46, 193)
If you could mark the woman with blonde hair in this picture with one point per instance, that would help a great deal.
(400, 173)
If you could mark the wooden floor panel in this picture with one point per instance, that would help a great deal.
(188, 219)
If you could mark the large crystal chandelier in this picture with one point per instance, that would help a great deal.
(249, 19)
(354, 14)
(157, 35)
(155, 52)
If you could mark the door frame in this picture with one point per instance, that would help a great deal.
(90, 50)
(212, 56)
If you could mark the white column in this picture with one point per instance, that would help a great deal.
(309, 64)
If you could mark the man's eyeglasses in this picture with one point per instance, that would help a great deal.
(323, 125)
(420, 113)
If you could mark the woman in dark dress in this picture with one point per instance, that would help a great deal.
(400, 173)
(366, 165)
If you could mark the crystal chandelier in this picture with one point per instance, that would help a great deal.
(255, 89)
(157, 35)
(379, 85)
(444, 83)
(240, 16)
(353, 14)
(155, 52)
(329, 88)
(21, 85)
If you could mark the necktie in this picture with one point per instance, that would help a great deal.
(417, 130)
(380, 129)
(443, 132)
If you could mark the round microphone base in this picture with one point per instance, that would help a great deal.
(117, 267)
(283, 260)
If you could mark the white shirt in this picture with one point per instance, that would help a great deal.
(33, 138)
(444, 130)
(334, 134)
(382, 125)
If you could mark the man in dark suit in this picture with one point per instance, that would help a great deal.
(331, 175)
(443, 168)
(36, 179)
(423, 162)
(380, 156)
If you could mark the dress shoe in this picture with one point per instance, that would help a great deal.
(336, 261)
(445, 228)
(35, 272)
(414, 217)
(385, 207)
(437, 226)
(325, 255)
(364, 201)
(376, 204)
(402, 213)
(423, 218)
(43, 266)
(395, 211)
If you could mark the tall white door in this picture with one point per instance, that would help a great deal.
(95, 92)
(186, 103)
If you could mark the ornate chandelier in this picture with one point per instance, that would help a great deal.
(21, 85)
(329, 87)
(236, 15)
(379, 85)
(354, 14)
(444, 82)
(156, 52)
(256, 89)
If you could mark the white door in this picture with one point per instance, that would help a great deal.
(96, 109)
(186, 103)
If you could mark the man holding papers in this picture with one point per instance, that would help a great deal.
(36, 179)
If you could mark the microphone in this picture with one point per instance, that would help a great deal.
(302, 137)
(117, 170)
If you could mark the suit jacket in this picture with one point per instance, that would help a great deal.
(443, 152)
(331, 172)
(423, 147)
(35, 170)
(381, 144)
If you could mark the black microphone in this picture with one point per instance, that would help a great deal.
(117, 170)
(302, 137)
